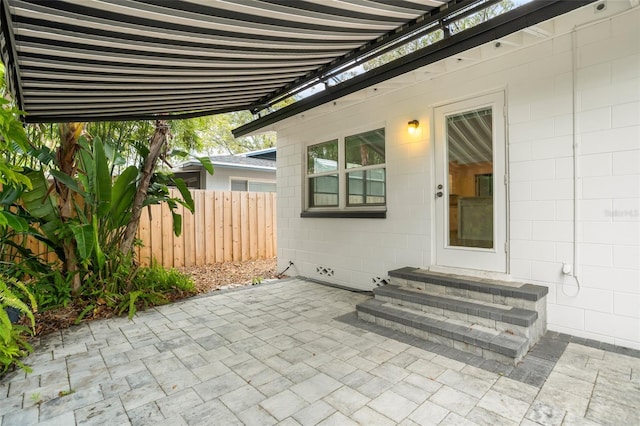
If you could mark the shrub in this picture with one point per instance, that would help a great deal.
(13, 337)
(151, 286)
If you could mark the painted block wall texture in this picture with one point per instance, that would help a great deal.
(538, 81)
(541, 174)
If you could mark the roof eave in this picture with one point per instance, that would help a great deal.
(193, 166)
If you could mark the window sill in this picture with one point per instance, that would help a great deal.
(369, 214)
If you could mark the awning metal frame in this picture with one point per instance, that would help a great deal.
(517, 19)
(380, 46)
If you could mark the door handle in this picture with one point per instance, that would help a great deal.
(439, 194)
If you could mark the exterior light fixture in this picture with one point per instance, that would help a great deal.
(413, 126)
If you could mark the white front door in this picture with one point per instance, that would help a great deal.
(470, 193)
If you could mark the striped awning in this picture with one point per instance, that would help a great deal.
(93, 60)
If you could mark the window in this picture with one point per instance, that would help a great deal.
(365, 158)
(259, 186)
(354, 166)
(322, 165)
(191, 179)
(253, 185)
(239, 185)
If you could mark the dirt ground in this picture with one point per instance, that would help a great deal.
(206, 278)
(231, 274)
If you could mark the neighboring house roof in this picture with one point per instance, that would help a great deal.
(266, 153)
(234, 161)
(106, 61)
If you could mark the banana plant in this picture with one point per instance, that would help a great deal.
(81, 210)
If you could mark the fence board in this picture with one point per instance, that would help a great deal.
(227, 223)
(209, 237)
(200, 227)
(218, 214)
(144, 233)
(244, 225)
(225, 226)
(253, 226)
(235, 223)
(274, 224)
(156, 235)
(167, 237)
(262, 252)
(268, 225)
(178, 241)
(188, 230)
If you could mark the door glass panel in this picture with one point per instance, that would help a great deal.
(470, 167)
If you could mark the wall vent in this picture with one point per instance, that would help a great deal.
(380, 281)
(321, 270)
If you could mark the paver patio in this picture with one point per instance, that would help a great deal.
(292, 352)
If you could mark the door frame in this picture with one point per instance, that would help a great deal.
(501, 265)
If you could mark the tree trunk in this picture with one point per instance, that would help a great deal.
(158, 142)
(66, 158)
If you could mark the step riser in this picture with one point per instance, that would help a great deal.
(470, 294)
(533, 332)
(439, 339)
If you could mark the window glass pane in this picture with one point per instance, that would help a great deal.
(367, 187)
(322, 157)
(238, 185)
(262, 186)
(365, 149)
(323, 191)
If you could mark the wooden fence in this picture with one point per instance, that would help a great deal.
(226, 226)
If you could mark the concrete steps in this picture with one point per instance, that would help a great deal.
(495, 319)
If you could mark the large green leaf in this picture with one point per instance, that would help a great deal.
(102, 178)
(67, 180)
(15, 222)
(43, 153)
(177, 223)
(86, 172)
(186, 194)
(206, 163)
(37, 201)
(99, 254)
(124, 190)
(9, 195)
(85, 241)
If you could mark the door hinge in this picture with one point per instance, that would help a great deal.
(506, 180)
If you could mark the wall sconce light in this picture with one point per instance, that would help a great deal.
(413, 126)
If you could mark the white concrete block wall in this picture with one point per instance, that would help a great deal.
(539, 84)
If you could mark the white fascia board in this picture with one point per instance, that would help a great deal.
(196, 165)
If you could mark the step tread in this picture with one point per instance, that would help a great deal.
(503, 343)
(509, 315)
(515, 290)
